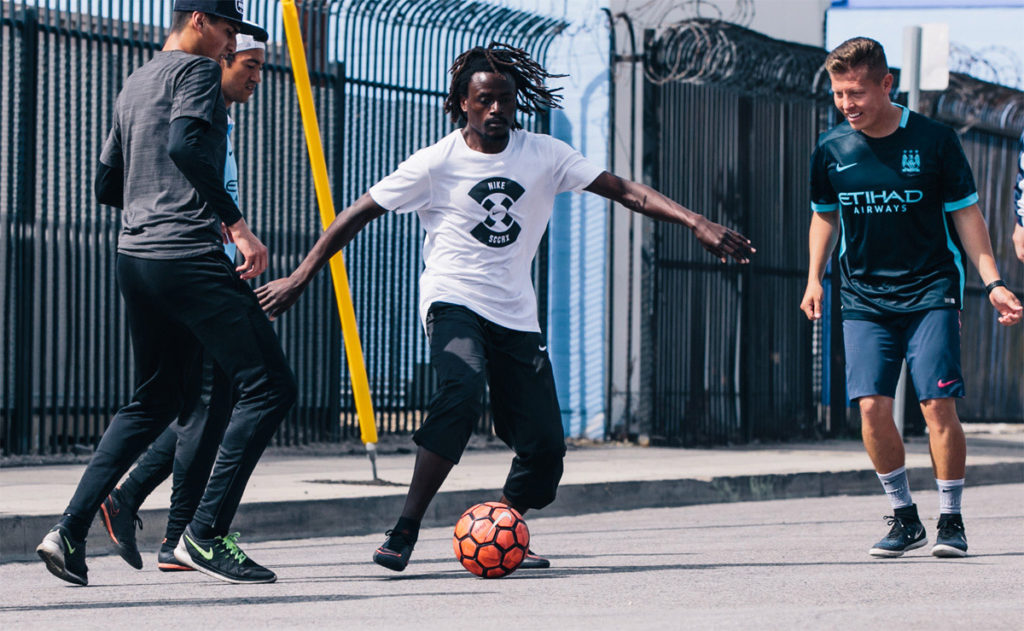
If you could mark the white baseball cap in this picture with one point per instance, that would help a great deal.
(247, 42)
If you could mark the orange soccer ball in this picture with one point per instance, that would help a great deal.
(491, 539)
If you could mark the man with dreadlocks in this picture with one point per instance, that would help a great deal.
(484, 194)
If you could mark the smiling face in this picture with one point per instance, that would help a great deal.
(864, 101)
(490, 107)
(241, 75)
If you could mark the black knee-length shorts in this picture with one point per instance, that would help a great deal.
(468, 352)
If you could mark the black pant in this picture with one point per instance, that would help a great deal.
(467, 351)
(177, 310)
(188, 448)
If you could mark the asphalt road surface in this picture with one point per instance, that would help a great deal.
(786, 564)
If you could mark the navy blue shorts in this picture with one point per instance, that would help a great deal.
(930, 342)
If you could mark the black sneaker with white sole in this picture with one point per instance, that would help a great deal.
(907, 533)
(64, 556)
(220, 557)
(951, 541)
(120, 522)
(395, 552)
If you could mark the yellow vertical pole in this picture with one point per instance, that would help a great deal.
(353, 347)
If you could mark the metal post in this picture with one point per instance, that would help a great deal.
(912, 41)
(24, 227)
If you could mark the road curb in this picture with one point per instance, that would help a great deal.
(262, 521)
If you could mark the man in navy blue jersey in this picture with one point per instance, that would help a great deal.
(895, 190)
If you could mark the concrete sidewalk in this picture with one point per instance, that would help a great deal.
(291, 496)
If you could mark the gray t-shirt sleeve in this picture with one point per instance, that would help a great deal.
(111, 155)
(197, 91)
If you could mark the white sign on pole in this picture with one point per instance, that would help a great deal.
(934, 68)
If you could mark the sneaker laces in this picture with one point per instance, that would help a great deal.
(399, 538)
(950, 528)
(230, 543)
(138, 521)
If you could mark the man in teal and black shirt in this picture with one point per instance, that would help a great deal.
(895, 190)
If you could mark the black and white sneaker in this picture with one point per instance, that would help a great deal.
(395, 552)
(950, 540)
(120, 522)
(907, 533)
(64, 556)
(221, 558)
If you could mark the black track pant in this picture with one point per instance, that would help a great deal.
(178, 310)
(188, 448)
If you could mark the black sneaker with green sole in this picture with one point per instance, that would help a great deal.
(64, 556)
(220, 557)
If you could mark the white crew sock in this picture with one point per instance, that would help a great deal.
(950, 492)
(896, 487)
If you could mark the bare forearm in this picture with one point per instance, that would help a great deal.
(645, 200)
(342, 230)
(821, 240)
(970, 225)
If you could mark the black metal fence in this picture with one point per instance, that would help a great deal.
(730, 120)
(378, 74)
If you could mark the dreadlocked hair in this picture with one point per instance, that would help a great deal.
(528, 75)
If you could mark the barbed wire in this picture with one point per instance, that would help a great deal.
(995, 64)
(712, 51)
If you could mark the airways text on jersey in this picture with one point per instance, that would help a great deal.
(877, 202)
(497, 195)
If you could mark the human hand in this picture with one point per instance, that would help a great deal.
(1006, 303)
(811, 303)
(254, 253)
(279, 295)
(721, 241)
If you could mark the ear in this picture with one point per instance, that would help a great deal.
(887, 82)
(198, 20)
(462, 104)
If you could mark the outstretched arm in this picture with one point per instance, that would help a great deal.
(278, 296)
(716, 239)
(822, 238)
(970, 225)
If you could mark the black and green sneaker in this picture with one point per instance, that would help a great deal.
(951, 542)
(221, 558)
(64, 556)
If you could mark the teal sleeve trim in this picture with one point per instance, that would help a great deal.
(906, 115)
(963, 203)
(824, 208)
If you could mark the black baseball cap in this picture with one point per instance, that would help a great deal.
(233, 10)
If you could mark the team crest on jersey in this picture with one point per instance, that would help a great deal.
(911, 161)
(497, 195)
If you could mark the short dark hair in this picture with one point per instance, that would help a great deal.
(179, 19)
(856, 52)
(515, 63)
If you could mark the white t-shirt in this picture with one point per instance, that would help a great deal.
(484, 215)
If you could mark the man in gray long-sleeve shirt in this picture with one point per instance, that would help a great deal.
(163, 163)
